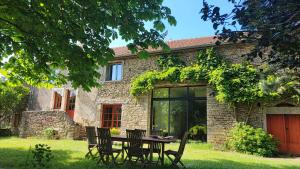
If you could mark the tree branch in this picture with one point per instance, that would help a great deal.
(13, 24)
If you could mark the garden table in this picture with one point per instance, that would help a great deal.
(148, 140)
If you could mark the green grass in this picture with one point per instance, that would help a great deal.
(70, 155)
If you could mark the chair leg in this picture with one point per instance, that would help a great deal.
(89, 153)
(174, 162)
(183, 166)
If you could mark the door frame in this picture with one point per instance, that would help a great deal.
(278, 110)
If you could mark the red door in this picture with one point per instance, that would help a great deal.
(293, 133)
(286, 129)
(71, 103)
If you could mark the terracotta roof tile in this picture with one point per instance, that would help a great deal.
(174, 44)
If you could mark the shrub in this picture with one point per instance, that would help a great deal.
(42, 155)
(198, 132)
(115, 131)
(49, 133)
(5, 132)
(246, 139)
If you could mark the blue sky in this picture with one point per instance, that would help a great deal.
(189, 22)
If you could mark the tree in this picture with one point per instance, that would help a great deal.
(12, 99)
(58, 41)
(273, 26)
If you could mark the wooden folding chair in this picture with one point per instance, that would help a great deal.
(157, 146)
(135, 147)
(92, 141)
(105, 148)
(177, 154)
(143, 132)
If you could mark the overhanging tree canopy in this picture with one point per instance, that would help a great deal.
(39, 38)
(274, 26)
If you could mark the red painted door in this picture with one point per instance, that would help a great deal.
(293, 133)
(286, 129)
(276, 127)
(71, 104)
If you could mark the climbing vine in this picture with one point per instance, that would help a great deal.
(233, 83)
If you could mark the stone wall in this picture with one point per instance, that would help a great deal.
(136, 111)
(220, 118)
(33, 123)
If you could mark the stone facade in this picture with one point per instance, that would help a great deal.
(33, 123)
(136, 111)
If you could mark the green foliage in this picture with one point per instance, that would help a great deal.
(198, 132)
(54, 42)
(268, 25)
(236, 83)
(283, 86)
(115, 131)
(167, 61)
(146, 81)
(49, 133)
(209, 59)
(246, 139)
(233, 83)
(194, 73)
(174, 71)
(42, 156)
(12, 99)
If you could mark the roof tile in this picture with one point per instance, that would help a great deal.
(173, 44)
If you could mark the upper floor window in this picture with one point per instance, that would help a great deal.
(114, 72)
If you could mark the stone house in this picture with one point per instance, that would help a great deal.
(172, 108)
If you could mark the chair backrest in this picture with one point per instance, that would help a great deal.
(104, 140)
(142, 131)
(183, 143)
(135, 142)
(91, 135)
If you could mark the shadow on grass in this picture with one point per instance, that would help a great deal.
(16, 159)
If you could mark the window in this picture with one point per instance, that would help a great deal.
(111, 116)
(57, 99)
(176, 110)
(71, 100)
(114, 72)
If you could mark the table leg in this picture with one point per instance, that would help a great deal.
(151, 152)
(162, 153)
(122, 149)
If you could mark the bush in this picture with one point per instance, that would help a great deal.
(246, 139)
(5, 132)
(42, 155)
(115, 131)
(49, 133)
(198, 132)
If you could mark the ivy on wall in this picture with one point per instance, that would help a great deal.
(233, 83)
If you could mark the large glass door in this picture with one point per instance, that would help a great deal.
(176, 110)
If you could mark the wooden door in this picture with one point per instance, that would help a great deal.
(286, 129)
(293, 133)
(71, 104)
(276, 127)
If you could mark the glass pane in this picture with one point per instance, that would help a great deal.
(178, 92)
(160, 111)
(198, 119)
(114, 72)
(119, 72)
(178, 111)
(199, 91)
(161, 93)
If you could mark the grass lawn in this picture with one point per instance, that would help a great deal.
(70, 155)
